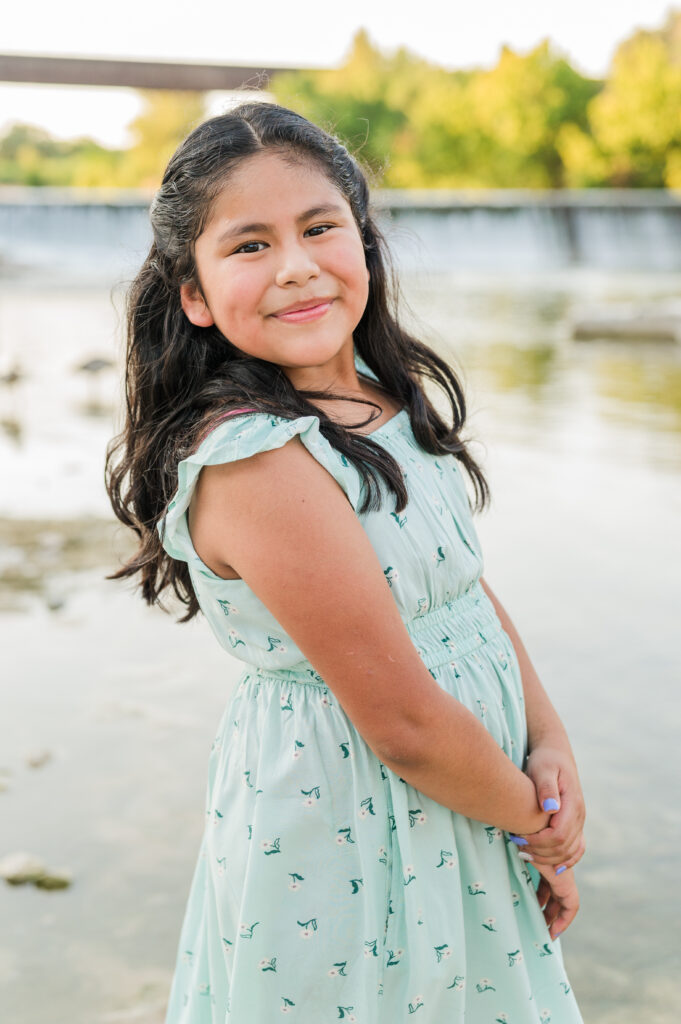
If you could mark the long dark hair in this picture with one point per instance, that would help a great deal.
(180, 378)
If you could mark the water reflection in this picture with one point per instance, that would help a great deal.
(653, 384)
(37, 556)
(513, 368)
(581, 449)
(11, 428)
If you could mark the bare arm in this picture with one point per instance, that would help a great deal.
(284, 524)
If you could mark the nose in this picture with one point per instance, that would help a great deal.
(295, 265)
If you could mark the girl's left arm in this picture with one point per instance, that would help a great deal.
(550, 763)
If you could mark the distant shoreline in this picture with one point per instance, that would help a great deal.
(417, 199)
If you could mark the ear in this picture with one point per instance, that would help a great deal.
(194, 306)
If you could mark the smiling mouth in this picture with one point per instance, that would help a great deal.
(297, 316)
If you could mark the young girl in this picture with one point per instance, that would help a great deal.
(393, 809)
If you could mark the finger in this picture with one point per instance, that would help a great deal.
(568, 822)
(554, 854)
(557, 859)
(543, 892)
(561, 831)
(575, 857)
(548, 793)
(551, 911)
(554, 844)
(562, 921)
(562, 824)
(565, 858)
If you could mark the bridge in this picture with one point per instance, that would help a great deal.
(133, 74)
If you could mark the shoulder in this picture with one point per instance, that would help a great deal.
(245, 436)
(286, 527)
(290, 468)
(259, 448)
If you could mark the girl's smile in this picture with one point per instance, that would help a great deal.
(302, 313)
(282, 272)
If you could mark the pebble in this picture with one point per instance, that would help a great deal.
(21, 867)
(54, 880)
(38, 759)
(17, 868)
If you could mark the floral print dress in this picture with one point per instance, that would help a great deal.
(326, 887)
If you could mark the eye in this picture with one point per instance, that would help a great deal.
(247, 247)
(319, 227)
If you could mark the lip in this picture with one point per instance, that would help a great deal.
(295, 307)
(304, 310)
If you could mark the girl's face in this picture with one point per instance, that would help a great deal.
(282, 267)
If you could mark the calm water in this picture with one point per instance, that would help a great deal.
(582, 445)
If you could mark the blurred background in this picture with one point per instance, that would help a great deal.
(526, 166)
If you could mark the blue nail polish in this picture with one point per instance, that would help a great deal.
(518, 840)
(561, 869)
(550, 804)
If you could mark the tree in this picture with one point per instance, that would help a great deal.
(418, 125)
(352, 101)
(635, 122)
(167, 118)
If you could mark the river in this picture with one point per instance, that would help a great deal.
(581, 445)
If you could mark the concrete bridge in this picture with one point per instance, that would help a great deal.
(133, 74)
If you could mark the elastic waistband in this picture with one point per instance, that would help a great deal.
(456, 628)
(441, 635)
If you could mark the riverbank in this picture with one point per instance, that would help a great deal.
(581, 543)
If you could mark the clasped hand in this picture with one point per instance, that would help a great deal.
(557, 848)
(554, 775)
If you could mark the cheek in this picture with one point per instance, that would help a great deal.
(350, 266)
(238, 297)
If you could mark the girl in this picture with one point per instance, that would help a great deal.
(393, 810)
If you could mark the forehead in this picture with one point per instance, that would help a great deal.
(273, 184)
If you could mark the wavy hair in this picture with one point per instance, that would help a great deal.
(180, 379)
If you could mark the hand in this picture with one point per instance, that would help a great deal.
(559, 899)
(554, 773)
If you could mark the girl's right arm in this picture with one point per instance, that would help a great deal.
(284, 524)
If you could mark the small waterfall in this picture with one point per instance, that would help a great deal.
(98, 235)
(79, 234)
(631, 229)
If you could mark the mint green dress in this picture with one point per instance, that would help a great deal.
(326, 887)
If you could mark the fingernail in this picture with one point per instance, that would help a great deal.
(525, 856)
(550, 804)
(518, 840)
(561, 869)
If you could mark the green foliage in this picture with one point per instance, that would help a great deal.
(532, 121)
(633, 137)
(417, 125)
(30, 156)
(352, 101)
(166, 119)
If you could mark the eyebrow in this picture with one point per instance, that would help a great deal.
(247, 229)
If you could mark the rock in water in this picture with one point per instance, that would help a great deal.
(54, 880)
(38, 758)
(18, 868)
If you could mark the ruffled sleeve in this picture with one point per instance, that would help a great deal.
(239, 437)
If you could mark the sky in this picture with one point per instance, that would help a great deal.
(309, 33)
